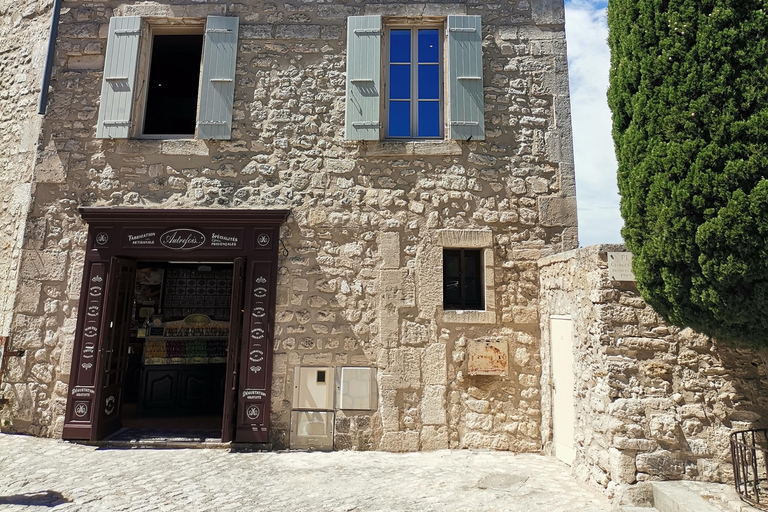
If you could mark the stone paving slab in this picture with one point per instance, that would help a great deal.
(47, 474)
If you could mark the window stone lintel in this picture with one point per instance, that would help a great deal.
(172, 14)
(465, 238)
(422, 9)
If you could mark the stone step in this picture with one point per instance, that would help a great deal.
(626, 508)
(676, 497)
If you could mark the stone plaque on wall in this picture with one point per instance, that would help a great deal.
(620, 266)
(488, 357)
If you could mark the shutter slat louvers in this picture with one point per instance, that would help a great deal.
(363, 78)
(118, 83)
(465, 77)
(217, 85)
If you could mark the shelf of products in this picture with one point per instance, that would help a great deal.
(185, 351)
(195, 340)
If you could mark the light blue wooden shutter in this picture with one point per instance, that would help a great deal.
(217, 86)
(118, 84)
(363, 77)
(465, 77)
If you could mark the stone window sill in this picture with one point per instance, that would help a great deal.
(453, 316)
(412, 148)
(184, 147)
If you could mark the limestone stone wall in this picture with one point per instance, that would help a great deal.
(361, 284)
(23, 37)
(653, 402)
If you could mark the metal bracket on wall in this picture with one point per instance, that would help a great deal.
(5, 354)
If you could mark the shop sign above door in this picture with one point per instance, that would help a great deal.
(183, 239)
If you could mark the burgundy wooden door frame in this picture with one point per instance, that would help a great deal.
(234, 344)
(113, 347)
(180, 235)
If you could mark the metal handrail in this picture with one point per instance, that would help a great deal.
(749, 453)
(3, 351)
(5, 354)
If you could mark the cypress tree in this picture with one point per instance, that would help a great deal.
(689, 96)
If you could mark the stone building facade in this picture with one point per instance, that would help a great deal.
(652, 401)
(360, 266)
(360, 232)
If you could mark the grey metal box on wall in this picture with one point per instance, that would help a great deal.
(312, 429)
(356, 388)
(313, 388)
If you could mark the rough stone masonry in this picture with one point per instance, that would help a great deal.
(361, 284)
(23, 27)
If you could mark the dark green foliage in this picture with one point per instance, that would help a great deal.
(689, 95)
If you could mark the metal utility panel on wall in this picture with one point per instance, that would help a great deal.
(356, 388)
(312, 429)
(313, 388)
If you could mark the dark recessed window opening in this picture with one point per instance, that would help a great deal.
(462, 279)
(174, 76)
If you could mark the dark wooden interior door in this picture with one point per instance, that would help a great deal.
(233, 352)
(113, 351)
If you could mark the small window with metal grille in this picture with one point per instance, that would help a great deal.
(462, 279)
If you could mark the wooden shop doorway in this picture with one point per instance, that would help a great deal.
(175, 376)
(163, 247)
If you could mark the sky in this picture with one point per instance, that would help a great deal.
(586, 30)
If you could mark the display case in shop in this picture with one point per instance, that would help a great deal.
(184, 366)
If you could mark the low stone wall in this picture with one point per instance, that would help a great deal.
(653, 402)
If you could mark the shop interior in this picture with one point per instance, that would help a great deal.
(175, 375)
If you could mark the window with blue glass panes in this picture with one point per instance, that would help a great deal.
(414, 92)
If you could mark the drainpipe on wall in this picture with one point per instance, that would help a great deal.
(49, 59)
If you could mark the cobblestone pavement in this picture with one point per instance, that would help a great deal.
(46, 474)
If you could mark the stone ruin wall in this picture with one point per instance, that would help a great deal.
(361, 282)
(653, 402)
(24, 29)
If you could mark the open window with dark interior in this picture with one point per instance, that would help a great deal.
(174, 79)
(462, 279)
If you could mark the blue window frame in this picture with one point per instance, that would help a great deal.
(415, 86)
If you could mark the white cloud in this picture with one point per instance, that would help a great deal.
(588, 62)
